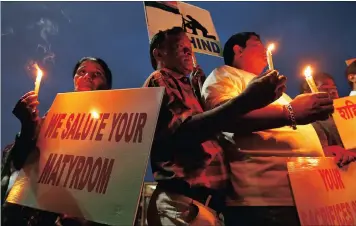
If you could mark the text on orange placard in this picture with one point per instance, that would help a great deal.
(339, 214)
(127, 127)
(332, 179)
(348, 111)
(82, 172)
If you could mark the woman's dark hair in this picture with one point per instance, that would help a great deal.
(107, 71)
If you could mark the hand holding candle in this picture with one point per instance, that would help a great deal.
(309, 78)
(38, 78)
(269, 56)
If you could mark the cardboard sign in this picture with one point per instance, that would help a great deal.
(323, 193)
(196, 22)
(345, 120)
(92, 155)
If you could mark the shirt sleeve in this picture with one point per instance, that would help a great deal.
(221, 86)
(174, 111)
(15, 155)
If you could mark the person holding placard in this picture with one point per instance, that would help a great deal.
(260, 143)
(89, 74)
(186, 159)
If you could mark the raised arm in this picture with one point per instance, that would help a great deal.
(186, 127)
(26, 111)
(305, 108)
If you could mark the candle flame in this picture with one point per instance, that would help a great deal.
(269, 56)
(95, 114)
(38, 78)
(308, 72)
(39, 72)
(270, 47)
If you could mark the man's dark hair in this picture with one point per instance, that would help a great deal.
(304, 87)
(158, 40)
(107, 71)
(351, 69)
(239, 39)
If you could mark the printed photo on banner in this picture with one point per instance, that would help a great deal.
(323, 193)
(196, 22)
(91, 155)
(345, 120)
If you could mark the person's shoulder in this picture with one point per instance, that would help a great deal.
(219, 70)
(227, 71)
(154, 77)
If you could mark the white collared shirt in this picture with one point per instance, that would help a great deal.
(353, 93)
(258, 161)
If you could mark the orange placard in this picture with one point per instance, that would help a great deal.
(345, 120)
(92, 155)
(323, 193)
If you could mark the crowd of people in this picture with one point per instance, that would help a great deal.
(222, 141)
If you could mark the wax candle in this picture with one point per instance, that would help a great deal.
(309, 78)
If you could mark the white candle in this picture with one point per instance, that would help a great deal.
(269, 56)
(38, 79)
(310, 80)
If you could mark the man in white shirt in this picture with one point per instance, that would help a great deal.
(351, 76)
(259, 145)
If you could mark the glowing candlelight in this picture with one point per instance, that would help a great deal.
(309, 78)
(95, 114)
(269, 56)
(38, 78)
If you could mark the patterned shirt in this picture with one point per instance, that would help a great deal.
(196, 163)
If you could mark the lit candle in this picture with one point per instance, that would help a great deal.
(309, 78)
(95, 114)
(269, 56)
(38, 78)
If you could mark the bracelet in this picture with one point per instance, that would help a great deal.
(291, 116)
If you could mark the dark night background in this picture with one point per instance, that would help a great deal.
(322, 34)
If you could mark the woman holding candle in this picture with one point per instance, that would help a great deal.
(89, 74)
